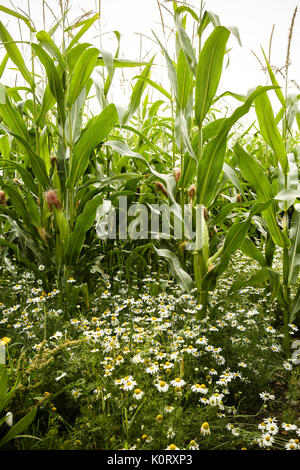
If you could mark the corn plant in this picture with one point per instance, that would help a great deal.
(201, 144)
(49, 155)
(284, 190)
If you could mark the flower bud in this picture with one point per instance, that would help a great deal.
(9, 419)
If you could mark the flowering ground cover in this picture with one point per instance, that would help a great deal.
(134, 369)
(150, 252)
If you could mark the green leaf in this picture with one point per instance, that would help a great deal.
(3, 381)
(294, 251)
(86, 24)
(47, 104)
(83, 223)
(14, 54)
(288, 182)
(211, 162)
(182, 277)
(209, 71)
(75, 119)
(47, 42)
(25, 174)
(182, 135)
(295, 307)
(233, 241)
(288, 195)
(184, 39)
(3, 64)
(19, 427)
(91, 137)
(254, 174)
(122, 63)
(259, 278)
(154, 85)
(251, 250)
(13, 120)
(274, 81)
(54, 81)
(81, 73)
(184, 80)
(269, 130)
(171, 69)
(15, 249)
(37, 163)
(18, 15)
(232, 176)
(137, 92)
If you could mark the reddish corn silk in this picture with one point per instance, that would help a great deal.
(52, 199)
(192, 191)
(177, 174)
(160, 187)
(2, 198)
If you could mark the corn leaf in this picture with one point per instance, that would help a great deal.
(55, 84)
(274, 82)
(3, 64)
(294, 251)
(83, 223)
(209, 71)
(137, 92)
(14, 54)
(254, 174)
(86, 24)
(182, 277)
(184, 39)
(211, 162)
(269, 130)
(91, 137)
(47, 42)
(37, 163)
(18, 15)
(81, 73)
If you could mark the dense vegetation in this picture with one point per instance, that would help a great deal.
(146, 340)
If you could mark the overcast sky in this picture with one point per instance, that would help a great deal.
(136, 19)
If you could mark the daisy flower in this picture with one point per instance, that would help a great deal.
(293, 444)
(266, 396)
(289, 427)
(177, 382)
(138, 394)
(172, 447)
(266, 440)
(162, 386)
(205, 429)
(199, 388)
(193, 445)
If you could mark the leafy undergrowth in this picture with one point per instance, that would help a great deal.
(130, 369)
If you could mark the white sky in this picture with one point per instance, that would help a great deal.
(254, 19)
